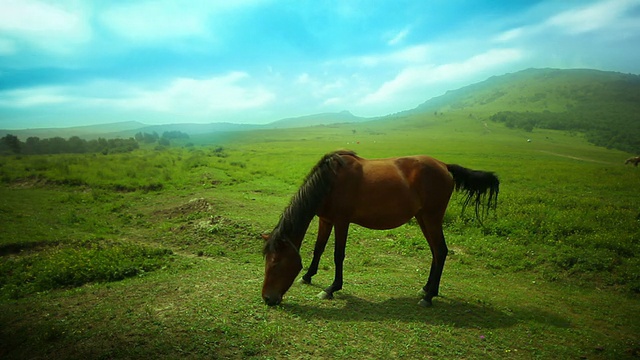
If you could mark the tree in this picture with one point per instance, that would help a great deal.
(76, 145)
(171, 135)
(57, 145)
(32, 145)
(10, 144)
(146, 137)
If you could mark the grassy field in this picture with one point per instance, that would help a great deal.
(157, 253)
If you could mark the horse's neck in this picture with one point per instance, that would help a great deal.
(298, 215)
(297, 239)
(299, 231)
(294, 226)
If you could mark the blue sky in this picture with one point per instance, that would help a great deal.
(69, 63)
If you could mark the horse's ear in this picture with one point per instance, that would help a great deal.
(265, 237)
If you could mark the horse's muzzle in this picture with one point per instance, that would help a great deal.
(272, 300)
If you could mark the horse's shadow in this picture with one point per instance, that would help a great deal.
(446, 310)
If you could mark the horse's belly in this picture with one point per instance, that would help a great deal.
(383, 219)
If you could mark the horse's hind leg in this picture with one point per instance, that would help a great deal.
(431, 227)
(324, 231)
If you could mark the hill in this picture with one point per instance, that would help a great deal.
(318, 119)
(294, 122)
(553, 90)
(86, 132)
(603, 105)
(130, 128)
(190, 129)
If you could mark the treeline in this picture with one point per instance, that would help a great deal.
(11, 144)
(164, 140)
(531, 120)
(608, 127)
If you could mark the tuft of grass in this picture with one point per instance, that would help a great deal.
(76, 264)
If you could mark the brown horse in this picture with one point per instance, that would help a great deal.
(633, 160)
(344, 188)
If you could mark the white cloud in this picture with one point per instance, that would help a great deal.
(609, 18)
(34, 97)
(223, 93)
(411, 54)
(415, 77)
(333, 101)
(510, 35)
(593, 17)
(397, 38)
(303, 78)
(150, 21)
(54, 28)
(201, 97)
(196, 97)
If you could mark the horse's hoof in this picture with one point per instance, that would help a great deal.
(323, 295)
(303, 281)
(425, 303)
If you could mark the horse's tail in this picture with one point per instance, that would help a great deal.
(480, 188)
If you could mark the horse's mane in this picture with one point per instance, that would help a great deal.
(303, 206)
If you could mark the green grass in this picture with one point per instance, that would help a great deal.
(97, 263)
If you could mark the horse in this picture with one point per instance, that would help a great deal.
(633, 160)
(343, 188)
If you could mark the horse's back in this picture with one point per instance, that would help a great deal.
(386, 193)
(419, 172)
(431, 180)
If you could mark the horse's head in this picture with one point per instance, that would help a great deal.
(282, 265)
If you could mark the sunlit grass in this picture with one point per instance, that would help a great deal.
(536, 280)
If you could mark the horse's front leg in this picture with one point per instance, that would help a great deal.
(338, 259)
(324, 231)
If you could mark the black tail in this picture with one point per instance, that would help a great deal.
(478, 187)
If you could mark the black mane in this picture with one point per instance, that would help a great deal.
(297, 216)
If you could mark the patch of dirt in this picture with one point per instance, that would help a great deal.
(28, 182)
(194, 227)
(216, 226)
(193, 206)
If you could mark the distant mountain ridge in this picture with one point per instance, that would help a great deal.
(189, 128)
(554, 90)
(130, 128)
(605, 106)
(318, 119)
(87, 131)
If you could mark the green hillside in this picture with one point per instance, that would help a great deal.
(317, 119)
(605, 106)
